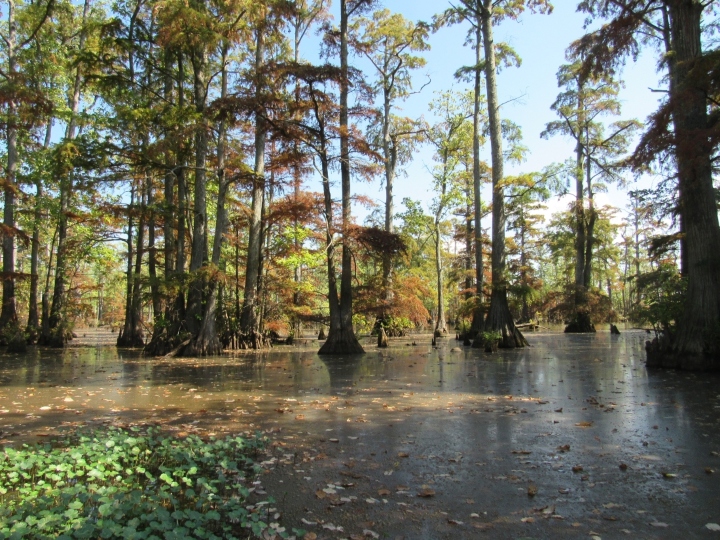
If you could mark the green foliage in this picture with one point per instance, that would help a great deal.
(490, 339)
(130, 484)
(663, 293)
(394, 326)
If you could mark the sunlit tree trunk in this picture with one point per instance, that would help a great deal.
(477, 322)
(250, 334)
(499, 317)
(341, 336)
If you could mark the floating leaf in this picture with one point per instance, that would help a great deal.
(426, 493)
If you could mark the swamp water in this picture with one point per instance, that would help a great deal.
(572, 437)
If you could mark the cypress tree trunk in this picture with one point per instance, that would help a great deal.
(8, 313)
(390, 156)
(194, 313)
(477, 322)
(57, 333)
(169, 332)
(207, 342)
(583, 249)
(250, 336)
(341, 337)
(33, 324)
(440, 324)
(696, 344)
(152, 253)
(499, 317)
(131, 334)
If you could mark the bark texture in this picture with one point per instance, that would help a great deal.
(696, 345)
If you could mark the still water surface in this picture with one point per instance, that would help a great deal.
(609, 446)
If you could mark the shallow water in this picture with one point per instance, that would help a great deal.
(480, 431)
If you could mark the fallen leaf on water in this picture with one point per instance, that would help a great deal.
(372, 534)
(403, 454)
(532, 490)
(300, 417)
(659, 524)
(623, 466)
(712, 527)
(708, 470)
(668, 475)
(310, 536)
(584, 424)
(474, 515)
(320, 494)
(383, 492)
(577, 468)
(564, 448)
(454, 522)
(426, 493)
(558, 410)
(528, 520)
(522, 452)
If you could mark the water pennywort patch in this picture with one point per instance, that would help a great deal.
(139, 483)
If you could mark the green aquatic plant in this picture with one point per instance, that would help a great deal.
(132, 484)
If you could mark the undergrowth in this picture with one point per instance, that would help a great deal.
(132, 484)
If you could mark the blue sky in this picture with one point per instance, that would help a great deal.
(527, 91)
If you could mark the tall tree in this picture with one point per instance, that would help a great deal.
(451, 137)
(684, 129)
(56, 332)
(470, 11)
(526, 198)
(581, 106)
(18, 99)
(341, 337)
(486, 14)
(389, 42)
